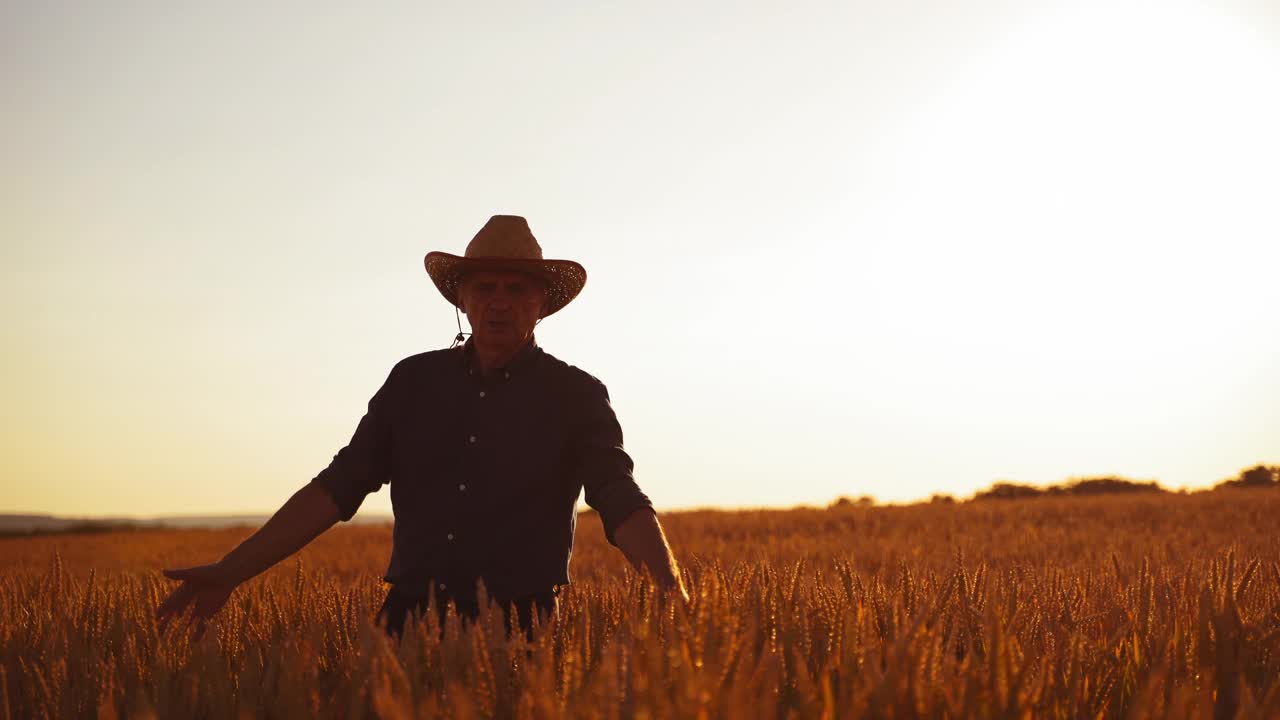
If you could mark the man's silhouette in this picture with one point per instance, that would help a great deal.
(486, 447)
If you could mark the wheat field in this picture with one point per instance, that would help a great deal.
(1164, 605)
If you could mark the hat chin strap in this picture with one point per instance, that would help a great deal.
(461, 336)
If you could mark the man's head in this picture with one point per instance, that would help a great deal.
(506, 244)
(503, 307)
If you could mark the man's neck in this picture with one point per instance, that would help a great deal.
(489, 358)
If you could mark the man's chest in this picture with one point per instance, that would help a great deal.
(480, 429)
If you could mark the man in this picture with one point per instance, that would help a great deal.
(486, 447)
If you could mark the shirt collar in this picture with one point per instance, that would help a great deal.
(521, 362)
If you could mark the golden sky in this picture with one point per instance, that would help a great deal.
(834, 249)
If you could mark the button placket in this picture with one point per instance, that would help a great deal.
(480, 393)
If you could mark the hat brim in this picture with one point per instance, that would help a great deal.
(564, 278)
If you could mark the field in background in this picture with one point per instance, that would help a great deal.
(1139, 606)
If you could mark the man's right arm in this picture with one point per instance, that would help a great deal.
(335, 494)
(300, 520)
(206, 588)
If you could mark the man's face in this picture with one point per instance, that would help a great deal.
(502, 307)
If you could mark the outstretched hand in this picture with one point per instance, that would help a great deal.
(673, 590)
(204, 588)
(681, 592)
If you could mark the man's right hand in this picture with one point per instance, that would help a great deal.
(309, 512)
(205, 588)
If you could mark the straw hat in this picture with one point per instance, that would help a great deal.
(506, 243)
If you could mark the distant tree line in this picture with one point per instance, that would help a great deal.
(1258, 476)
(88, 527)
(1107, 485)
(1254, 477)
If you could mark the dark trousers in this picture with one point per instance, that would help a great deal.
(398, 605)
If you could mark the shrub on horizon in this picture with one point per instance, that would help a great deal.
(1256, 476)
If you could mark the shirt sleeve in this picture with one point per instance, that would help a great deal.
(364, 465)
(603, 466)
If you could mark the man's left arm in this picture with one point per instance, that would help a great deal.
(641, 539)
(605, 469)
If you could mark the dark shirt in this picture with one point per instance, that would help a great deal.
(486, 470)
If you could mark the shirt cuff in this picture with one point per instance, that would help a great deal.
(347, 500)
(612, 517)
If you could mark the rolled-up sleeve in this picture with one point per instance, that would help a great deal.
(603, 466)
(364, 465)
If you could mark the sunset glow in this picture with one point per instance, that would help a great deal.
(837, 249)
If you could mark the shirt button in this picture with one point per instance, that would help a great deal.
(450, 536)
(441, 586)
(462, 487)
(506, 375)
(481, 393)
(471, 439)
